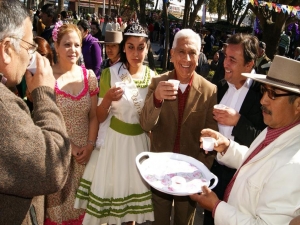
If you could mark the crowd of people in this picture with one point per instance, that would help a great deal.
(69, 150)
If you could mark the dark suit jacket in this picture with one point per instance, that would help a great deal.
(162, 122)
(251, 122)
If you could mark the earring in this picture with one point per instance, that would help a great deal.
(123, 50)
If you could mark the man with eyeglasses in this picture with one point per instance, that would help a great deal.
(35, 152)
(266, 187)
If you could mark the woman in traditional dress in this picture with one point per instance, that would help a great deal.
(112, 190)
(76, 95)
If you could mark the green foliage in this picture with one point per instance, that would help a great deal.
(218, 7)
(212, 6)
(235, 11)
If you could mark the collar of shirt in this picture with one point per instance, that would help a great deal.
(246, 85)
(191, 79)
(273, 133)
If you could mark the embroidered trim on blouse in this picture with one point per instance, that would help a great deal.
(145, 82)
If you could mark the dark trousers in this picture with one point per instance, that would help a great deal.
(224, 174)
(184, 209)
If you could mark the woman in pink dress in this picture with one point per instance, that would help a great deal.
(76, 95)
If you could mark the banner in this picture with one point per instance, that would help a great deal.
(291, 10)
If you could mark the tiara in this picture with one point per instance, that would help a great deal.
(136, 30)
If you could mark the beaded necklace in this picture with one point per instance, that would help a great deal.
(145, 82)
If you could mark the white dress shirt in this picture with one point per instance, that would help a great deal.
(234, 98)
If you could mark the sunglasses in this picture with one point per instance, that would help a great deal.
(272, 94)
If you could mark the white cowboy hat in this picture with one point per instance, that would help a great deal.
(284, 73)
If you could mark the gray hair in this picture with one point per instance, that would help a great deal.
(12, 16)
(292, 98)
(187, 33)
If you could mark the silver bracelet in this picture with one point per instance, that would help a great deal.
(90, 142)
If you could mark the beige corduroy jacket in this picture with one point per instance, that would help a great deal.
(163, 122)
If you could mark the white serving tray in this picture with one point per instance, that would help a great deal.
(173, 173)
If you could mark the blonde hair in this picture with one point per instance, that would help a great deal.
(66, 29)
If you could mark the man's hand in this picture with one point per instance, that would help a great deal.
(222, 143)
(165, 91)
(207, 199)
(43, 75)
(227, 116)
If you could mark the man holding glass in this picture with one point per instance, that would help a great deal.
(35, 153)
(175, 116)
(265, 189)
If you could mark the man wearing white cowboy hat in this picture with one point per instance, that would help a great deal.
(266, 187)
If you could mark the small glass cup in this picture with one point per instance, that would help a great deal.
(32, 64)
(208, 143)
(121, 84)
(220, 106)
(175, 83)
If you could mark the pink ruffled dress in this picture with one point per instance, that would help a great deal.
(75, 109)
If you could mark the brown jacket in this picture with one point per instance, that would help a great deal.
(162, 122)
(35, 153)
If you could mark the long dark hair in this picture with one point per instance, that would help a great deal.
(123, 58)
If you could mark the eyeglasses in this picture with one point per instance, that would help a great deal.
(31, 49)
(272, 94)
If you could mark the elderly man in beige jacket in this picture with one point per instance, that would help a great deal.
(175, 118)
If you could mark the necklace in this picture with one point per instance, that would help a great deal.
(145, 82)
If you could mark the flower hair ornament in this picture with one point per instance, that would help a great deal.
(136, 30)
(56, 29)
